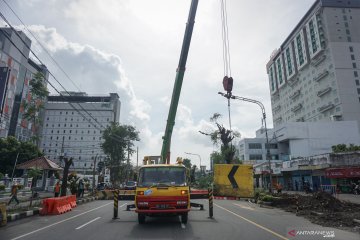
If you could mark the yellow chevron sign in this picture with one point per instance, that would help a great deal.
(235, 180)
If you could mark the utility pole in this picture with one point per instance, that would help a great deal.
(267, 147)
(12, 175)
(93, 182)
(137, 157)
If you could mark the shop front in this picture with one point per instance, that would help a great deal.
(343, 177)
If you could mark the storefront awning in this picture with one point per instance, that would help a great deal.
(342, 173)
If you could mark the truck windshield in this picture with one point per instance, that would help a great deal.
(162, 176)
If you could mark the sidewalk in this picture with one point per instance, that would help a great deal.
(22, 210)
(341, 196)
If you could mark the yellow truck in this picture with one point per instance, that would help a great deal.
(162, 190)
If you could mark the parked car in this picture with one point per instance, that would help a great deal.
(130, 185)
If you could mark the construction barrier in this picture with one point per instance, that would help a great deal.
(331, 189)
(58, 205)
(116, 204)
(211, 202)
(3, 217)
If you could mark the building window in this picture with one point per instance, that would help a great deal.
(88, 131)
(65, 125)
(107, 119)
(358, 90)
(255, 157)
(51, 137)
(72, 113)
(255, 146)
(352, 57)
(59, 125)
(70, 131)
(354, 65)
(93, 138)
(69, 137)
(271, 146)
(357, 82)
(60, 113)
(64, 131)
(351, 49)
(47, 119)
(82, 138)
(349, 39)
(356, 74)
(347, 31)
(47, 124)
(346, 24)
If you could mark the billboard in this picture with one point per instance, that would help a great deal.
(3, 85)
(234, 180)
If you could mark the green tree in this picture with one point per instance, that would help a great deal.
(223, 137)
(187, 163)
(38, 94)
(10, 147)
(33, 173)
(119, 146)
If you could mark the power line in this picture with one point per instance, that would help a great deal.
(47, 52)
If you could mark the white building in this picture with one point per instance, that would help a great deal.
(314, 75)
(314, 85)
(69, 130)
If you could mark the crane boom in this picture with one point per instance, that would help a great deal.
(165, 151)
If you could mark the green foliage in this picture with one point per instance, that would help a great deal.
(73, 182)
(267, 198)
(343, 148)
(9, 148)
(2, 187)
(204, 181)
(118, 144)
(219, 157)
(187, 163)
(1, 175)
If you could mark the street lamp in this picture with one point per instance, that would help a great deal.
(230, 96)
(195, 155)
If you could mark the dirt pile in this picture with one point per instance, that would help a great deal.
(321, 208)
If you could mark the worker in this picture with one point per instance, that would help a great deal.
(14, 191)
(279, 188)
(57, 189)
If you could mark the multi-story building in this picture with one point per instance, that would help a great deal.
(16, 71)
(314, 75)
(314, 83)
(73, 126)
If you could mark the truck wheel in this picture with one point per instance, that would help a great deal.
(184, 218)
(141, 218)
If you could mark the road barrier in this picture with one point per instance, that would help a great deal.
(331, 189)
(58, 205)
(116, 204)
(211, 203)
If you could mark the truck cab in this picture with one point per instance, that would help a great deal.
(162, 190)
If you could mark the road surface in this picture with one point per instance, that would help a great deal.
(232, 220)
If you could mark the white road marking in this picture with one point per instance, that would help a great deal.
(37, 230)
(250, 208)
(87, 223)
(254, 223)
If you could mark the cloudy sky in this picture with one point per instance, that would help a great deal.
(132, 47)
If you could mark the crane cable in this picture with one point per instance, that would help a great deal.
(226, 46)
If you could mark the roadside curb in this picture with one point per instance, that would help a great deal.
(233, 198)
(21, 215)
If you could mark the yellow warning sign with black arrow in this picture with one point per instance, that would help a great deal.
(233, 180)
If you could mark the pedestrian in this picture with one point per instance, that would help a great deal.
(57, 189)
(13, 195)
(81, 188)
(296, 185)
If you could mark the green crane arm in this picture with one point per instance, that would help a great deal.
(165, 151)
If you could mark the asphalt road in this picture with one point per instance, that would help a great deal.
(232, 220)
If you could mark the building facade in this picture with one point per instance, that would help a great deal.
(73, 127)
(16, 71)
(314, 75)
